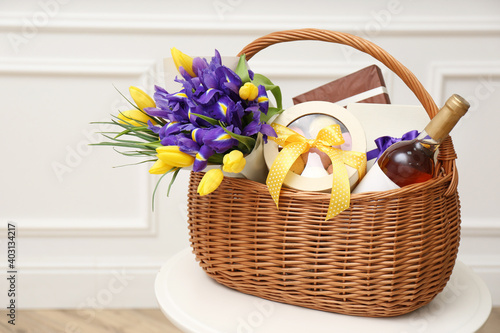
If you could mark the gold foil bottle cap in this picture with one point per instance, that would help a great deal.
(444, 121)
(458, 104)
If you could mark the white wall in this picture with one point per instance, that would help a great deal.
(86, 233)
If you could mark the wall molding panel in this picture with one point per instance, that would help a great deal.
(90, 238)
(74, 67)
(89, 228)
(115, 287)
(235, 23)
(317, 70)
(440, 72)
(86, 227)
(485, 232)
(482, 228)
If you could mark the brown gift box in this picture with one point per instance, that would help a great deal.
(364, 86)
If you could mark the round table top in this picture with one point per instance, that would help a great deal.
(196, 303)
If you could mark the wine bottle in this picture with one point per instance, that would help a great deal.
(410, 162)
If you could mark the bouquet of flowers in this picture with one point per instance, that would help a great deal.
(215, 118)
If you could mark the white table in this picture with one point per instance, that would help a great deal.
(196, 303)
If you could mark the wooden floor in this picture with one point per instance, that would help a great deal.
(121, 321)
(91, 321)
(493, 323)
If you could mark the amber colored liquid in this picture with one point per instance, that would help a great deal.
(407, 162)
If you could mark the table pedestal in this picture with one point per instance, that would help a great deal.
(196, 303)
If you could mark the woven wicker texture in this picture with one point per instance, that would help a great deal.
(388, 254)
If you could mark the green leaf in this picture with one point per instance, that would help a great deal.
(174, 177)
(212, 121)
(138, 144)
(130, 164)
(247, 119)
(129, 126)
(156, 187)
(99, 122)
(142, 133)
(242, 69)
(216, 158)
(151, 147)
(259, 79)
(264, 118)
(135, 106)
(247, 141)
(243, 148)
(159, 120)
(142, 153)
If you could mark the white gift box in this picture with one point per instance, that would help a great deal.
(387, 120)
(323, 111)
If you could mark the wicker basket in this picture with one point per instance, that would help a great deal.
(388, 254)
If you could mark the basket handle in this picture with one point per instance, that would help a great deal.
(447, 154)
(356, 42)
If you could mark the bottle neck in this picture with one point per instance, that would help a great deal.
(428, 142)
(444, 121)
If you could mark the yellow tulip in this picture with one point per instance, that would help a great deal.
(183, 60)
(130, 117)
(210, 181)
(159, 168)
(249, 91)
(234, 162)
(141, 99)
(172, 155)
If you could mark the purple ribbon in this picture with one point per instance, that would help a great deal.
(385, 142)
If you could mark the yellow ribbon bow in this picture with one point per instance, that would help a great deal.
(295, 145)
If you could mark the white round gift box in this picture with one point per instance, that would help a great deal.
(337, 114)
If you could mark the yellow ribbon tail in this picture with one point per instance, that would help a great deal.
(283, 162)
(341, 190)
(295, 145)
(356, 160)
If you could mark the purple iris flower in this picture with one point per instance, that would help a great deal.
(229, 82)
(208, 96)
(218, 140)
(199, 64)
(233, 129)
(175, 127)
(219, 110)
(183, 141)
(156, 112)
(197, 121)
(184, 74)
(215, 62)
(254, 126)
(235, 113)
(187, 145)
(198, 134)
(207, 106)
(174, 107)
(172, 127)
(209, 80)
(267, 130)
(262, 99)
(153, 128)
(201, 158)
